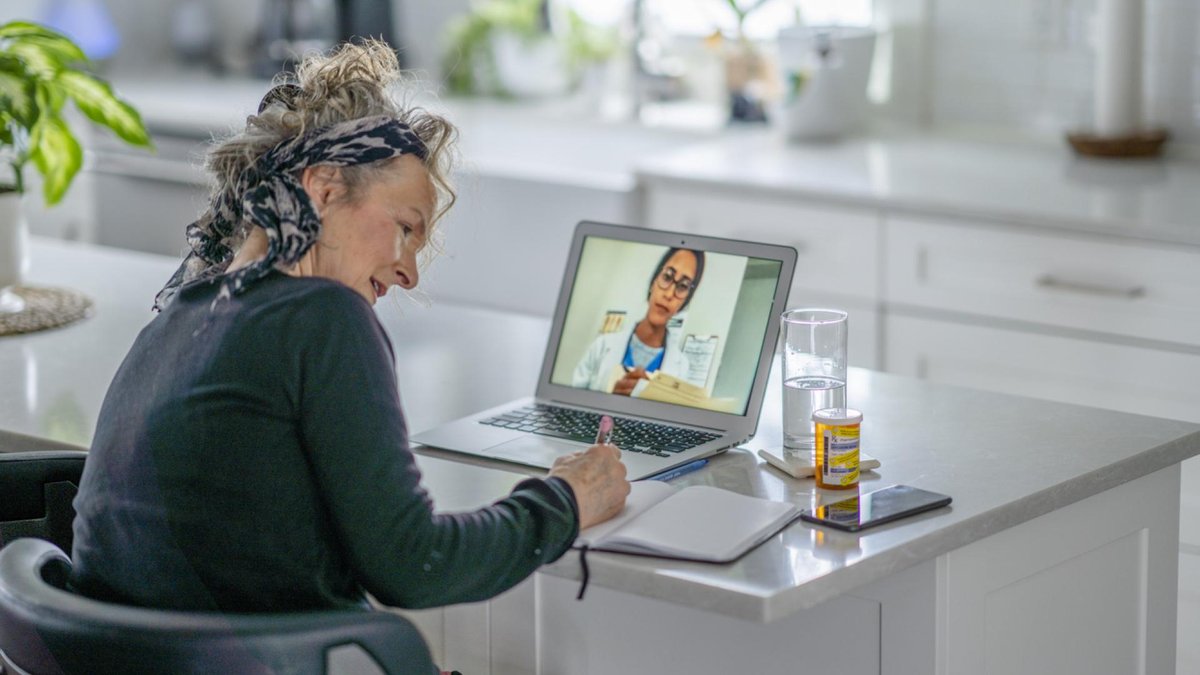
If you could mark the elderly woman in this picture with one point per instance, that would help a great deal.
(251, 454)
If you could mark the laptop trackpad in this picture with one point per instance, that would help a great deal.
(534, 450)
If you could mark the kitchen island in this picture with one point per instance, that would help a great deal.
(1059, 553)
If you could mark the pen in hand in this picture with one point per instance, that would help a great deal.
(605, 432)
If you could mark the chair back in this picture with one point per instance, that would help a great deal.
(38, 489)
(47, 630)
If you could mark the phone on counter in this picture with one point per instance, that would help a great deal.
(876, 508)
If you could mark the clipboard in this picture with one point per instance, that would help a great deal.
(698, 353)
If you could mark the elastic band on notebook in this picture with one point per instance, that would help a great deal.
(583, 564)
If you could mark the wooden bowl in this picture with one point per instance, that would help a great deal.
(1148, 143)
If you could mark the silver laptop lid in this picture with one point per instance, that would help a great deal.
(710, 326)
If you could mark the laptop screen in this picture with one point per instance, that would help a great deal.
(674, 325)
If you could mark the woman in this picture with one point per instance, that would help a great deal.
(251, 454)
(626, 357)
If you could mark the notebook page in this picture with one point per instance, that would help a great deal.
(702, 523)
(642, 495)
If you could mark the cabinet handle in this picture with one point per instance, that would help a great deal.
(1052, 282)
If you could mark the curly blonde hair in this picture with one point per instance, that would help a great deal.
(352, 81)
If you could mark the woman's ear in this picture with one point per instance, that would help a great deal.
(323, 183)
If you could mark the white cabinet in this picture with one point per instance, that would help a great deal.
(837, 248)
(1088, 320)
(144, 201)
(1068, 369)
(1096, 284)
(505, 242)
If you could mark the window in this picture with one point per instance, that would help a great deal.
(702, 17)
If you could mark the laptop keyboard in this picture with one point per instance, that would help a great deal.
(649, 438)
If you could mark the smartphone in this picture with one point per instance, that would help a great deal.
(875, 508)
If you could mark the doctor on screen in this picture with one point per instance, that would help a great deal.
(629, 355)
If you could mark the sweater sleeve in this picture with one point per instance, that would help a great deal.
(353, 430)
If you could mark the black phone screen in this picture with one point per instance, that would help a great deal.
(875, 508)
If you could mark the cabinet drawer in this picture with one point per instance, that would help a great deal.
(1131, 289)
(1131, 379)
(838, 248)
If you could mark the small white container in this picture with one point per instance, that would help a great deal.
(529, 68)
(825, 71)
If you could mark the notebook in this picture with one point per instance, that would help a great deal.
(671, 334)
(699, 522)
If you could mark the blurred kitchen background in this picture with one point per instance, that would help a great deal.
(913, 151)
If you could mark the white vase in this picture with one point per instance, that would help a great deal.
(14, 243)
(529, 67)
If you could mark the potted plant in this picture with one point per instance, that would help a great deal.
(747, 73)
(40, 70)
(509, 47)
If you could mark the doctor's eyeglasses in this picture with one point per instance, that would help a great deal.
(666, 279)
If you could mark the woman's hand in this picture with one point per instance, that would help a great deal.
(598, 478)
(625, 385)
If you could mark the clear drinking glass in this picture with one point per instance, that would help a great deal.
(814, 370)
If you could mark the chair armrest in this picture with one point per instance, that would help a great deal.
(79, 632)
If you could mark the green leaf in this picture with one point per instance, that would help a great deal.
(16, 97)
(56, 154)
(22, 29)
(49, 98)
(17, 36)
(45, 58)
(96, 99)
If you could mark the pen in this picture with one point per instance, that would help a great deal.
(679, 470)
(605, 432)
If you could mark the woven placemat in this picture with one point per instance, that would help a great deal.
(44, 308)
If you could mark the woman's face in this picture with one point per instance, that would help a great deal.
(666, 302)
(370, 242)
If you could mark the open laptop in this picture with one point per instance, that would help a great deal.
(671, 334)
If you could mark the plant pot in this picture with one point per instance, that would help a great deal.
(747, 81)
(529, 67)
(14, 242)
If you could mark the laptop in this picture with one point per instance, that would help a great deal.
(671, 334)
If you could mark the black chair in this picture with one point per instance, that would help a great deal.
(46, 629)
(37, 488)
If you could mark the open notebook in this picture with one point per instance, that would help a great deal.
(698, 522)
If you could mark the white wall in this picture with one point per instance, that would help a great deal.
(1028, 65)
(1020, 66)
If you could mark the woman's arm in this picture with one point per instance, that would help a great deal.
(402, 552)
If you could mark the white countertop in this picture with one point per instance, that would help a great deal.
(556, 142)
(1022, 184)
(1004, 459)
(565, 142)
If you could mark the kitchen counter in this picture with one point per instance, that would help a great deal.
(563, 142)
(557, 142)
(1023, 184)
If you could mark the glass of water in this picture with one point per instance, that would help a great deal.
(814, 370)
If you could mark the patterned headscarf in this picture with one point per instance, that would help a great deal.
(268, 194)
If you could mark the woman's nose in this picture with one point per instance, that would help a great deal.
(406, 273)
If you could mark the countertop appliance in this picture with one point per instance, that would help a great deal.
(826, 69)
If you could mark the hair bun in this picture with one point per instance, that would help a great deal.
(285, 94)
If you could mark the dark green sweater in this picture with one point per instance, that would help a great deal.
(255, 458)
